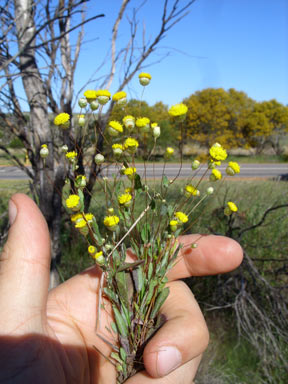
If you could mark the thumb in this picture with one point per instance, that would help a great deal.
(182, 338)
(25, 264)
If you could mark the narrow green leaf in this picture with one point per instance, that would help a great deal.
(123, 354)
(116, 357)
(116, 258)
(162, 296)
(145, 233)
(123, 253)
(96, 232)
(128, 266)
(111, 295)
(81, 195)
(165, 259)
(152, 285)
(122, 287)
(150, 271)
(121, 323)
(118, 187)
(114, 327)
(170, 210)
(165, 181)
(138, 278)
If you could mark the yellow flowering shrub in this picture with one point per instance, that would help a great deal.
(139, 214)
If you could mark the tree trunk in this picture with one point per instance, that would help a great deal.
(45, 182)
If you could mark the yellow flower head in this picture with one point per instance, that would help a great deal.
(98, 255)
(90, 95)
(81, 177)
(232, 206)
(117, 146)
(143, 74)
(128, 117)
(144, 78)
(181, 217)
(125, 199)
(111, 221)
(119, 95)
(116, 126)
(62, 119)
(142, 122)
(191, 191)
(232, 168)
(178, 110)
(103, 92)
(103, 96)
(44, 146)
(92, 250)
(73, 202)
(71, 155)
(130, 171)
(173, 225)
(117, 149)
(81, 224)
(131, 144)
(235, 166)
(76, 217)
(169, 152)
(215, 175)
(89, 217)
(217, 152)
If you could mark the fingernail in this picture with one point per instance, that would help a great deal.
(169, 358)
(12, 211)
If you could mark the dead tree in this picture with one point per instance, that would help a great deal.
(37, 49)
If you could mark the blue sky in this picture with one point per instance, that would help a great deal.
(241, 44)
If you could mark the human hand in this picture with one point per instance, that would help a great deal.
(49, 338)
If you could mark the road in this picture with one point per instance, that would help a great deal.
(247, 171)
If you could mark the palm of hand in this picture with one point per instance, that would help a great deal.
(50, 338)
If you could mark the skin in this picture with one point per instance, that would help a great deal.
(49, 337)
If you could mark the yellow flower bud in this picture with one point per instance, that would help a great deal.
(144, 78)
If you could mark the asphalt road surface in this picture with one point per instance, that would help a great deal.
(276, 171)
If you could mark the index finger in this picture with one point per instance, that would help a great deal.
(213, 255)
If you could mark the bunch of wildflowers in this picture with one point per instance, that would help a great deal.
(140, 212)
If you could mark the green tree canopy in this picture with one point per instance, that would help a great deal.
(235, 120)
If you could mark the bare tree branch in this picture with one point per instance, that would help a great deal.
(261, 221)
(18, 162)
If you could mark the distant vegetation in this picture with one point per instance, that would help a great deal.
(228, 117)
